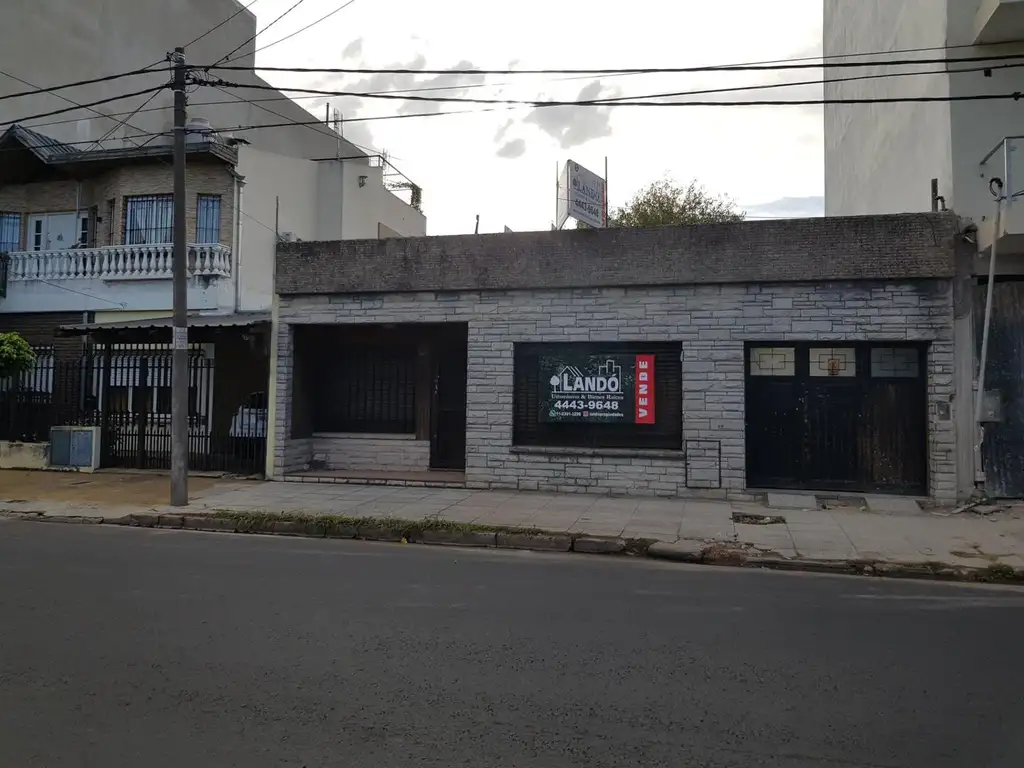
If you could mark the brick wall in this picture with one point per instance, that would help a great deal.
(711, 321)
(154, 179)
(370, 452)
(40, 328)
(897, 247)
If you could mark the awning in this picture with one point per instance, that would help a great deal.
(237, 320)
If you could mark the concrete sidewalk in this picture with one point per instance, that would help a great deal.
(802, 528)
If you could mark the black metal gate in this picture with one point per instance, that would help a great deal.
(134, 400)
(847, 417)
(126, 391)
(1002, 451)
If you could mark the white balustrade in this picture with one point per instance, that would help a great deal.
(117, 262)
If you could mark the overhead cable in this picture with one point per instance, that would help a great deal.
(88, 105)
(637, 101)
(771, 67)
(300, 31)
(228, 55)
(38, 90)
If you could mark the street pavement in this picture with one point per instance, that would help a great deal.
(131, 647)
(887, 529)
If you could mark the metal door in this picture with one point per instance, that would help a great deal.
(448, 411)
(1002, 452)
(846, 417)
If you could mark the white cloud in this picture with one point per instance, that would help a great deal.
(787, 207)
(463, 161)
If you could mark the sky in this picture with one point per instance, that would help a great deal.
(501, 165)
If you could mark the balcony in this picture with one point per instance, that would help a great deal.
(999, 21)
(116, 262)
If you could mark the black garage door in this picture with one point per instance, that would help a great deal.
(849, 417)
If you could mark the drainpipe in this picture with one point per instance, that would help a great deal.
(979, 401)
(78, 212)
(239, 183)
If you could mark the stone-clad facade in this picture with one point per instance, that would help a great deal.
(637, 294)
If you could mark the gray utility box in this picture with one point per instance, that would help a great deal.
(75, 448)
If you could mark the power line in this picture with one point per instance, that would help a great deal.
(85, 106)
(215, 28)
(313, 124)
(37, 90)
(758, 67)
(634, 101)
(109, 133)
(120, 304)
(227, 56)
(308, 26)
(400, 116)
(733, 89)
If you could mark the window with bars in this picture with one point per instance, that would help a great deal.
(10, 232)
(364, 388)
(208, 219)
(149, 219)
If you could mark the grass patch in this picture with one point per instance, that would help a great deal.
(263, 521)
(997, 572)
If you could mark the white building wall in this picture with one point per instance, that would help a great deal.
(350, 210)
(330, 196)
(52, 42)
(978, 126)
(271, 180)
(372, 204)
(880, 158)
(94, 295)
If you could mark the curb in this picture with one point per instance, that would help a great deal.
(692, 552)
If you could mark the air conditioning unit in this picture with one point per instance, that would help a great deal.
(287, 237)
(75, 448)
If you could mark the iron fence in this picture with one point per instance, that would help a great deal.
(126, 391)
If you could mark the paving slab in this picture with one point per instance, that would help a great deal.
(893, 505)
(791, 501)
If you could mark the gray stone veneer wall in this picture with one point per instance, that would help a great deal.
(371, 452)
(711, 321)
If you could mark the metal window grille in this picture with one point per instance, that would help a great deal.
(149, 220)
(366, 389)
(208, 219)
(10, 232)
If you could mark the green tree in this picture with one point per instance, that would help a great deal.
(666, 203)
(16, 356)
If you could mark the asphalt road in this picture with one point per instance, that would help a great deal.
(127, 647)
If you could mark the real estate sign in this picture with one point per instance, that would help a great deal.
(597, 389)
(581, 195)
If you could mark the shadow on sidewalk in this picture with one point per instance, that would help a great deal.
(134, 489)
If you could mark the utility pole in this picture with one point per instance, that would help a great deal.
(179, 362)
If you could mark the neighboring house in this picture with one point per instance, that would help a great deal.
(89, 232)
(304, 182)
(882, 158)
(715, 359)
(86, 223)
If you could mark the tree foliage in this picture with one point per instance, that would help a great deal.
(666, 203)
(16, 356)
